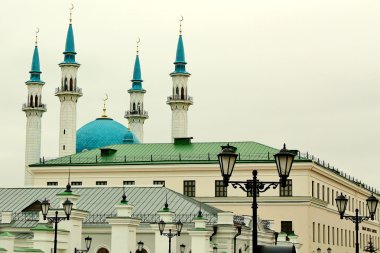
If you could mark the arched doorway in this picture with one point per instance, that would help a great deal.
(102, 250)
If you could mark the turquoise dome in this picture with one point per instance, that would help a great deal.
(103, 132)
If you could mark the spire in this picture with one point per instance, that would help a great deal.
(70, 46)
(180, 62)
(104, 115)
(35, 71)
(137, 81)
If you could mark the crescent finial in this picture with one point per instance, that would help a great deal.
(71, 12)
(37, 31)
(137, 42)
(104, 107)
(180, 25)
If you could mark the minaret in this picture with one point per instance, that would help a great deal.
(68, 94)
(33, 108)
(136, 114)
(179, 101)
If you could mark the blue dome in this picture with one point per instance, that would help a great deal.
(103, 132)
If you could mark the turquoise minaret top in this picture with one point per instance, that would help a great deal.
(70, 47)
(35, 71)
(180, 63)
(137, 81)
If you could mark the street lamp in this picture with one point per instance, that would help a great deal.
(341, 203)
(214, 249)
(140, 246)
(227, 159)
(87, 241)
(182, 248)
(67, 207)
(170, 235)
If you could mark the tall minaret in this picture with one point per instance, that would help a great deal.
(136, 114)
(179, 101)
(33, 108)
(68, 94)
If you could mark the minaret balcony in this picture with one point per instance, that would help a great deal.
(178, 98)
(28, 107)
(74, 91)
(136, 113)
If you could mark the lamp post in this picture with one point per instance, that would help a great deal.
(227, 159)
(341, 203)
(87, 241)
(140, 246)
(170, 235)
(67, 207)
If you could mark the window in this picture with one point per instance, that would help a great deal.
(323, 192)
(286, 226)
(319, 233)
(101, 182)
(159, 183)
(287, 190)
(128, 182)
(317, 190)
(189, 188)
(63, 147)
(312, 188)
(337, 236)
(332, 196)
(220, 189)
(102, 250)
(328, 234)
(76, 183)
(328, 195)
(313, 231)
(333, 235)
(323, 234)
(52, 183)
(249, 193)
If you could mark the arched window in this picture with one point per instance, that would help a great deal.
(64, 147)
(65, 85)
(102, 250)
(182, 93)
(31, 101)
(138, 107)
(177, 91)
(71, 84)
(36, 101)
(133, 107)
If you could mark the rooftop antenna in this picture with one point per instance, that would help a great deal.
(180, 25)
(71, 12)
(37, 31)
(138, 41)
(104, 107)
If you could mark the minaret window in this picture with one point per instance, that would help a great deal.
(71, 84)
(75, 83)
(182, 93)
(176, 92)
(31, 101)
(65, 85)
(134, 108)
(138, 107)
(64, 147)
(36, 101)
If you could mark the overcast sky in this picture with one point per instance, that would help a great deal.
(295, 71)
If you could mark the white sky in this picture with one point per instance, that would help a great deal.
(273, 71)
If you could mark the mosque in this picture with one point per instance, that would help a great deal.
(104, 154)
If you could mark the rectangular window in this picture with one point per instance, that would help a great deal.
(189, 188)
(128, 182)
(323, 234)
(286, 226)
(317, 190)
(337, 236)
(319, 233)
(328, 195)
(52, 183)
(333, 235)
(332, 197)
(312, 188)
(328, 234)
(313, 231)
(345, 237)
(76, 183)
(341, 237)
(101, 182)
(220, 190)
(159, 183)
(249, 193)
(323, 192)
(287, 190)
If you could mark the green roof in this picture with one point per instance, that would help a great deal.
(100, 203)
(7, 234)
(167, 153)
(27, 250)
